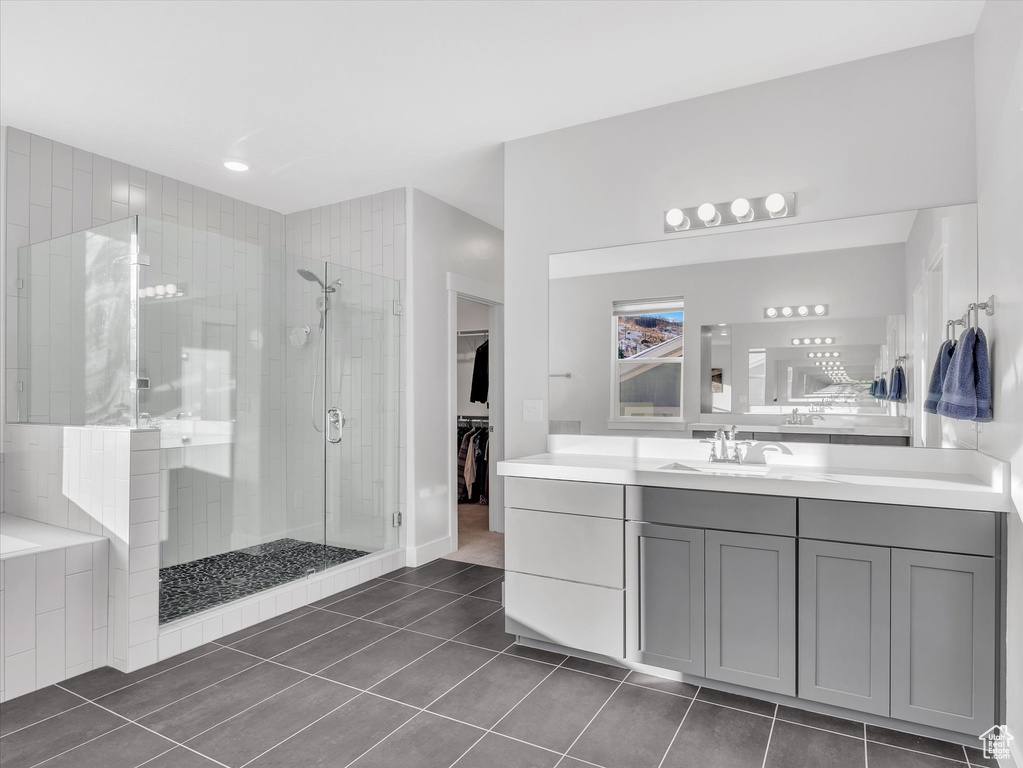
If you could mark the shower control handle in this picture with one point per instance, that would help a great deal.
(335, 425)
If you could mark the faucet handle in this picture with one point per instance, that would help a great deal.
(733, 432)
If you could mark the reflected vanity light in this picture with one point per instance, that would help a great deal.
(814, 342)
(801, 311)
(741, 210)
(238, 166)
(168, 291)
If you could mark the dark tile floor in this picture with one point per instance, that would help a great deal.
(415, 670)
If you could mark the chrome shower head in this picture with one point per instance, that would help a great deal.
(305, 273)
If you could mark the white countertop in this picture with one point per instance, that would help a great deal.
(916, 477)
(22, 536)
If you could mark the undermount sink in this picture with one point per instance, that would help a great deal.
(752, 470)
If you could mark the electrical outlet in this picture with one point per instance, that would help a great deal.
(532, 410)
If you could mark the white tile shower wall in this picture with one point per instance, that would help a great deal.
(230, 256)
(179, 636)
(362, 243)
(53, 617)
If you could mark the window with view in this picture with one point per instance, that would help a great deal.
(648, 364)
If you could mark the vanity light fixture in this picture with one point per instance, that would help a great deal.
(801, 310)
(741, 210)
(709, 215)
(238, 166)
(776, 205)
(676, 219)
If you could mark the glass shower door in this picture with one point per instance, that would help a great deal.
(361, 364)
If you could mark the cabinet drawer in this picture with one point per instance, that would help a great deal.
(567, 496)
(566, 613)
(708, 509)
(573, 547)
(892, 525)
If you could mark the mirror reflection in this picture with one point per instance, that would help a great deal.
(822, 331)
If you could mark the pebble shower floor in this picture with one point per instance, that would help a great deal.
(201, 584)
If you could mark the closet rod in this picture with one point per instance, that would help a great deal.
(474, 333)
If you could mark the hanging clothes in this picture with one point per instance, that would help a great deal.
(464, 437)
(480, 391)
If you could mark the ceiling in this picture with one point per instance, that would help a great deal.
(333, 100)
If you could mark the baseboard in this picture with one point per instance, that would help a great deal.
(426, 553)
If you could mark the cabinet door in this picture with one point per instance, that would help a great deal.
(751, 610)
(664, 597)
(844, 624)
(943, 640)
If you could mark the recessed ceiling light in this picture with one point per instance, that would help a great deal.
(236, 165)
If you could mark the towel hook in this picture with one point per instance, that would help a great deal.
(988, 307)
(950, 328)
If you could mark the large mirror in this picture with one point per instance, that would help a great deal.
(788, 331)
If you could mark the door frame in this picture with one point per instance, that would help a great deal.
(462, 286)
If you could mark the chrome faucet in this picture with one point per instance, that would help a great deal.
(794, 418)
(721, 441)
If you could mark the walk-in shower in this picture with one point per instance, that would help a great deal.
(276, 460)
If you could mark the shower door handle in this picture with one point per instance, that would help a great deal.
(335, 425)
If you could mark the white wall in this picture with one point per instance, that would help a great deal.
(889, 133)
(443, 239)
(999, 87)
(729, 292)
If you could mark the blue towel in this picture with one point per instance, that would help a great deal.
(966, 391)
(938, 376)
(897, 391)
(882, 389)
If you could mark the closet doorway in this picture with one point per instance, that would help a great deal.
(476, 534)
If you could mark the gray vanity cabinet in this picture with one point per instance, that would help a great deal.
(664, 596)
(943, 640)
(751, 610)
(844, 624)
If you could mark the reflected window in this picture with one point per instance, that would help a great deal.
(648, 359)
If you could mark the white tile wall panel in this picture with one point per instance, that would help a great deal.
(49, 625)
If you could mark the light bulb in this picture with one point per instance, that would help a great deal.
(708, 214)
(772, 312)
(172, 289)
(238, 166)
(817, 341)
(827, 354)
(150, 292)
(795, 342)
(142, 293)
(775, 204)
(809, 354)
(676, 219)
(786, 311)
(806, 341)
(160, 290)
(803, 311)
(836, 354)
(819, 309)
(741, 209)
